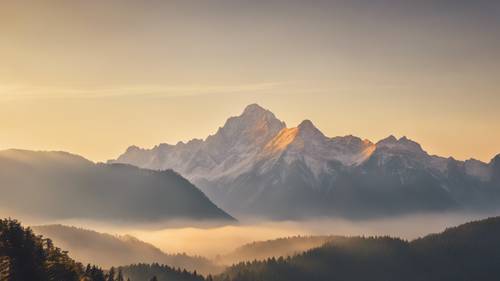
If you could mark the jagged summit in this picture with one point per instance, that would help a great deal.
(306, 124)
(388, 140)
(254, 116)
(401, 144)
(254, 125)
(133, 148)
(256, 112)
(254, 108)
(254, 158)
(307, 129)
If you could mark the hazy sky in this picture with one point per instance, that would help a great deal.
(93, 77)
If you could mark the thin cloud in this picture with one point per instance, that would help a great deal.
(19, 92)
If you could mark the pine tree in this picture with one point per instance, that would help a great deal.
(111, 274)
(120, 275)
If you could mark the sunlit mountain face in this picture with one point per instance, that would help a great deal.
(256, 166)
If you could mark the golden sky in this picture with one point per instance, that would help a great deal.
(93, 77)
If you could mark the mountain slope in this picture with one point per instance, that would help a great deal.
(60, 185)
(467, 252)
(107, 250)
(254, 165)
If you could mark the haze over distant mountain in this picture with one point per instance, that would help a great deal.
(59, 185)
(255, 165)
(108, 250)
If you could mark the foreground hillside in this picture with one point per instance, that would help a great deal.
(107, 250)
(25, 256)
(60, 185)
(467, 252)
(255, 165)
(146, 272)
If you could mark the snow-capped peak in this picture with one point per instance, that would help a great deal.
(402, 144)
(254, 109)
(307, 129)
(388, 140)
(257, 137)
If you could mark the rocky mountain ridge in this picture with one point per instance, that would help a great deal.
(254, 157)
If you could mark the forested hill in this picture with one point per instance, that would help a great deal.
(146, 272)
(261, 250)
(467, 252)
(25, 256)
(60, 185)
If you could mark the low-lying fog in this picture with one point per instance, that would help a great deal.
(220, 240)
(212, 241)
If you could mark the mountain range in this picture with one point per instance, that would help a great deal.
(256, 166)
(59, 185)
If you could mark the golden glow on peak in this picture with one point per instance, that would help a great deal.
(282, 140)
(368, 151)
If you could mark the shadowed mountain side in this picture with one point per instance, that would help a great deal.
(59, 185)
(467, 252)
(106, 250)
(262, 250)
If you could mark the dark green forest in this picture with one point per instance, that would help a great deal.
(467, 252)
(145, 272)
(25, 256)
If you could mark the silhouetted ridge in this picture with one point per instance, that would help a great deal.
(62, 185)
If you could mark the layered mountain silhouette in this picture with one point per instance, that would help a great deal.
(106, 250)
(255, 165)
(59, 185)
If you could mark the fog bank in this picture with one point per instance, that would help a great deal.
(220, 240)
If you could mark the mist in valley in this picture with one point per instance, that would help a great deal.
(211, 242)
(211, 247)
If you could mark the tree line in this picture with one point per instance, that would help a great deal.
(467, 252)
(25, 256)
